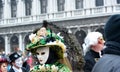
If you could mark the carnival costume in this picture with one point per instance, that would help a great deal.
(45, 37)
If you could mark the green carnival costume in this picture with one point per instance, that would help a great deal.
(57, 67)
(54, 42)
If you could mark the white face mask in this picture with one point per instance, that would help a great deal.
(19, 62)
(43, 54)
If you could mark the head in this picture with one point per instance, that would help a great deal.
(112, 29)
(42, 54)
(3, 64)
(49, 54)
(16, 49)
(93, 41)
(16, 60)
(44, 46)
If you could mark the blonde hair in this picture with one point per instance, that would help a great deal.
(66, 62)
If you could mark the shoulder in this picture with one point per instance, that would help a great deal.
(11, 70)
(108, 63)
(24, 69)
(88, 56)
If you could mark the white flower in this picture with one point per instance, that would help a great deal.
(54, 68)
(32, 36)
(58, 34)
(42, 67)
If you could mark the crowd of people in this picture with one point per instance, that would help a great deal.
(15, 62)
(47, 52)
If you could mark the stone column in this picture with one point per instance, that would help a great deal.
(7, 9)
(20, 42)
(7, 45)
(88, 3)
(35, 7)
(89, 30)
(69, 5)
(20, 8)
(113, 2)
(52, 6)
(107, 2)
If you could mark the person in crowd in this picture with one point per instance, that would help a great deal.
(3, 64)
(110, 61)
(50, 52)
(30, 60)
(16, 63)
(27, 63)
(26, 66)
(17, 49)
(93, 44)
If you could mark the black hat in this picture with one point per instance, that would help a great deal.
(112, 28)
(14, 56)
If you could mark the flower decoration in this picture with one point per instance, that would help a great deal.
(45, 68)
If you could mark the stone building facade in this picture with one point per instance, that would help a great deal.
(18, 18)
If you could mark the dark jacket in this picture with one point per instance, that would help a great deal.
(26, 66)
(12, 70)
(90, 60)
(110, 62)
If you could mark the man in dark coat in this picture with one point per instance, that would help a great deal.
(16, 63)
(110, 62)
(93, 44)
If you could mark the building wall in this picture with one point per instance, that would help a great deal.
(89, 18)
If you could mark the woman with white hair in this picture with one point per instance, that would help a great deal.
(93, 44)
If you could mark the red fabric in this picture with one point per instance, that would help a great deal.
(30, 61)
(3, 60)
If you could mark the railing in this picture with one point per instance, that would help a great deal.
(79, 13)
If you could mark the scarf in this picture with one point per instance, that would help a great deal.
(112, 48)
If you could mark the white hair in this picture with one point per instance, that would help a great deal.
(90, 39)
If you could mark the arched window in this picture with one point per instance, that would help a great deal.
(99, 2)
(13, 8)
(43, 6)
(118, 1)
(1, 9)
(2, 44)
(28, 7)
(26, 40)
(80, 35)
(14, 42)
(79, 4)
(61, 5)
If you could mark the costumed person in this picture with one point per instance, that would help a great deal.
(110, 61)
(3, 64)
(93, 45)
(50, 51)
(16, 63)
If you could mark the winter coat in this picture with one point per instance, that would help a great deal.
(90, 59)
(110, 61)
